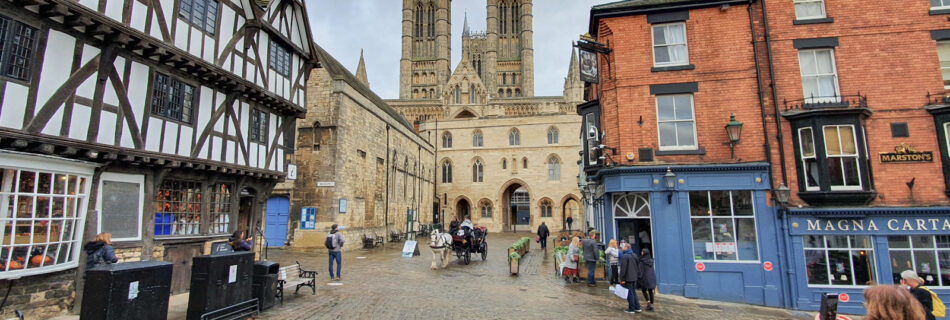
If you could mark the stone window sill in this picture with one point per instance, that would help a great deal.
(673, 68)
(935, 12)
(814, 21)
(699, 151)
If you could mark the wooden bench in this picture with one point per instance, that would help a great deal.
(395, 236)
(369, 241)
(293, 275)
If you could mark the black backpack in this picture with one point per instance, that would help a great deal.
(329, 242)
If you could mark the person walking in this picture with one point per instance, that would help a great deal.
(591, 256)
(613, 260)
(570, 263)
(335, 241)
(569, 221)
(914, 284)
(629, 275)
(647, 277)
(889, 302)
(543, 234)
(100, 251)
(239, 242)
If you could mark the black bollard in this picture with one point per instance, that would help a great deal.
(829, 306)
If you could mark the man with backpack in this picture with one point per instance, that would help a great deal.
(334, 242)
(933, 307)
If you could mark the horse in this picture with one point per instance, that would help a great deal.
(441, 247)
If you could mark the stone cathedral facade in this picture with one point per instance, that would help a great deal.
(504, 156)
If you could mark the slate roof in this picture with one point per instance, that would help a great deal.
(336, 69)
(637, 4)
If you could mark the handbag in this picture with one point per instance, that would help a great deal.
(575, 258)
(538, 239)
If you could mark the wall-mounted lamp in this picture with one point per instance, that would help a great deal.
(734, 131)
(669, 181)
(782, 193)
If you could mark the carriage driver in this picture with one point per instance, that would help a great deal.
(467, 222)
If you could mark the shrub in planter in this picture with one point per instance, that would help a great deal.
(514, 264)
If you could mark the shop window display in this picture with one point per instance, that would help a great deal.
(928, 255)
(839, 260)
(723, 226)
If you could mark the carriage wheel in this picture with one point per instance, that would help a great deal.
(468, 257)
(484, 251)
(458, 253)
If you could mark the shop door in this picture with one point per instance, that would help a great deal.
(632, 211)
(180, 256)
(278, 212)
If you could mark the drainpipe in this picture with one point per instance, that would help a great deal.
(789, 273)
(435, 173)
(386, 215)
(768, 152)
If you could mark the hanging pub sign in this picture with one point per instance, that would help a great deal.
(588, 65)
(907, 153)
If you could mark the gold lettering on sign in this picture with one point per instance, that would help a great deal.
(933, 224)
(908, 226)
(872, 226)
(843, 225)
(813, 225)
(907, 153)
(946, 224)
(857, 225)
(921, 225)
(894, 226)
(830, 226)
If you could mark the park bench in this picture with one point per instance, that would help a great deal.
(294, 276)
(372, 240)
(395, 236)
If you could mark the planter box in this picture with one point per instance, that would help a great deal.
(599, 273)
(514, 266)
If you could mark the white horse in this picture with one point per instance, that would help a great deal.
(441, 247)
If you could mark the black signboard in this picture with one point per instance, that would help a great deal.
(588, 66)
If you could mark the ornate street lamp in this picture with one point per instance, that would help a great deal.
(734, 130)
(782, 193)
(669, 181)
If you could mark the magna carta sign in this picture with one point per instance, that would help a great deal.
(906, 153)
(871, 225)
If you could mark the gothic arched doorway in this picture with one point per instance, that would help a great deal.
(571, 208)
(462, 208)
(517, 207)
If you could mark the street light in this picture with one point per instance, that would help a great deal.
(669, 181)
(782, 193)
(734, 130)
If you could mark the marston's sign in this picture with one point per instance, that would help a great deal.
(907, 153)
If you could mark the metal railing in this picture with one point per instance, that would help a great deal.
(830, 102)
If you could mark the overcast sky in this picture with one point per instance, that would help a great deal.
(344, 27)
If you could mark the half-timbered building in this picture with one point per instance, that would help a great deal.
(164, 122)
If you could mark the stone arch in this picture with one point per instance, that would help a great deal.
(484, 213)
(545, 204)
(565, 201)
(504, 194)
(464, 112)
(462, 202)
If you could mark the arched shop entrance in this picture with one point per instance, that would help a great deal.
(462, 209)
(632, 211)
(571, 208)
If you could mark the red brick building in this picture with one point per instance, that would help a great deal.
(842, 102)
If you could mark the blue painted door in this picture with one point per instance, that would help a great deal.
(278, 210)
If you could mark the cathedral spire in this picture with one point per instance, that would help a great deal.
(465, 31)
(361, 71)
(573, 87)
(573, 68)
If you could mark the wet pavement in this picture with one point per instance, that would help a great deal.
(380, 284)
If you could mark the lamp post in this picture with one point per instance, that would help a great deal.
(734, 131)
(782, 193)
(669, 181)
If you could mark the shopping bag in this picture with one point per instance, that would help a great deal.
(621, 292)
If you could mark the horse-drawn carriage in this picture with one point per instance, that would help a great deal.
(466, 241)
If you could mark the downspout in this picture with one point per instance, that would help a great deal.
(768, 154)
(435, 174)
(789, 272)
(386, 215)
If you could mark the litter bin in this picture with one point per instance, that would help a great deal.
(221, 286)
(265, 283)
(134, 290)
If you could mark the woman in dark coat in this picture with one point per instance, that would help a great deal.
(239, 242)
(100, 251)
(647, 277)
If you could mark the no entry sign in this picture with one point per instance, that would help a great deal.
(767, 266)
(843, 297)
(700, 266)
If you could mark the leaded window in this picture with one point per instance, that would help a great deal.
(17, 49)
(279, 60)
(203, 14)
(486, 209)
(478, 173)
(178, 208)
(220, 208)
(477, 139)
(173, 99)
(552, 135)
(554, 169)
(723, 226)
(446, 172)
(260, 121)
(928, 255)
(446, 139)
(546, 209)
(839, 260)
(514, 137)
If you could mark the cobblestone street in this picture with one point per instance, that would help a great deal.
(379, 284)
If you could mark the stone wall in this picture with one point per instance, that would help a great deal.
(41, 296)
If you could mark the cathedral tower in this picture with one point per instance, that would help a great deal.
(509, 55)
(426, 48)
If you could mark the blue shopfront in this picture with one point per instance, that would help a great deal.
(712, 231)
(843, 250)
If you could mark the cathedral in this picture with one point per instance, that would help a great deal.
(505, 157)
